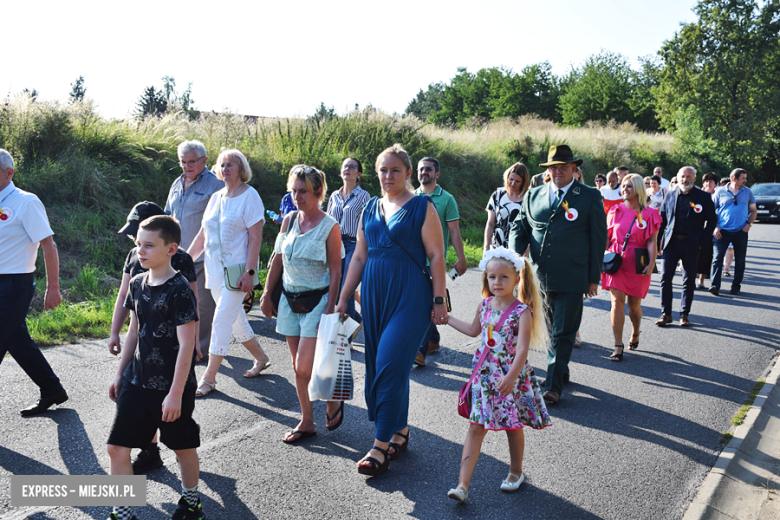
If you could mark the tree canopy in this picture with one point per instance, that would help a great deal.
(719, 82)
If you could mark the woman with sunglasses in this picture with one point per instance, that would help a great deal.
(231, 233)
(346, 205)
(400, 298)
(504, 206)
(309, 248)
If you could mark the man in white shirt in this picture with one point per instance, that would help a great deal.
(660, 172)
(611, 192)
(23, 226)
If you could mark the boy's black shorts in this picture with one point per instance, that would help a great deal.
(139, 415)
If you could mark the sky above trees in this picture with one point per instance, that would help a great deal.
(283, 59)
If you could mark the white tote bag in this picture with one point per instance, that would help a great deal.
(331, 376)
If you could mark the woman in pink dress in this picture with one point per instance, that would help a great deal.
(626, 286)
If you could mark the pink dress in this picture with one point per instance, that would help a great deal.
(618, 222)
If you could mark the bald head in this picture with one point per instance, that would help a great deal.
(686, 178)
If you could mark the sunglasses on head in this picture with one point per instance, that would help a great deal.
(301, 169)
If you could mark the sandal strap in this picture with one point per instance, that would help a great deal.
(406, 437)
(380, 450)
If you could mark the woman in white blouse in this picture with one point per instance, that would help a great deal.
(231, 233)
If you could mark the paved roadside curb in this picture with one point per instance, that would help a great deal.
(745, 480)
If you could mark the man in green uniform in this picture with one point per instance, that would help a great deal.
(565, 225)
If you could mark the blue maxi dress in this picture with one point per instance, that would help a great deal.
(396, 300)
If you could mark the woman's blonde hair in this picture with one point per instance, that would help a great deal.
(244, 171)
(638, 183)
(521, 171)
(313, 178)
(398, 151)
(530, 293)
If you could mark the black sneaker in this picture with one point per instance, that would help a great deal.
(147, 460)
(184, 511)
(113, 516)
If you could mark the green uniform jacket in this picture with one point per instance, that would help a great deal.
(568, 253)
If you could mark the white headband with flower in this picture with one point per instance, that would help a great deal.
(504, 254)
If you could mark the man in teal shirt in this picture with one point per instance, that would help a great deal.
(428, 175)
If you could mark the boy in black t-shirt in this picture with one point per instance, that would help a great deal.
(149, 457)
(155, 384)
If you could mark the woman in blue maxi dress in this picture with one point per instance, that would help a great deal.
(397, 298)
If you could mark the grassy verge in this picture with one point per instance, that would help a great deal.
(739, 417)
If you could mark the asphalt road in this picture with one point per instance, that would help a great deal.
(630, 440)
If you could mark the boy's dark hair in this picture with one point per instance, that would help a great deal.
(167, 226)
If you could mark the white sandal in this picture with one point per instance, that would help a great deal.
(258, 367)
(459, 493)
(205, 388)
(512, 486)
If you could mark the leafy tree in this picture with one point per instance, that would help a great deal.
(642, 102)
(323, 114)
(600, 91)
(77, 90)
(32, 93)
(152, 102)
(719, 79)
(174, 100)
(427, 101)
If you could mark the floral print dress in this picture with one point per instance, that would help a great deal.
(524, 406)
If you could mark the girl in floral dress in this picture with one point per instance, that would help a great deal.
(505, 395)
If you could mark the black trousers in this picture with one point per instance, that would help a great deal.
(16, 292)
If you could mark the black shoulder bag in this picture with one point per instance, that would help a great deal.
(612, 261)
(424, 272)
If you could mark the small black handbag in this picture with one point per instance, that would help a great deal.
(612, 261)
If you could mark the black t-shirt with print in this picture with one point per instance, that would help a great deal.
(181, 261)
(160, 309)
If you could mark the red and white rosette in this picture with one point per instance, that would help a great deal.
(571, 215)
(642, 224)
(6, 214)
(494, 341)
(697, 208)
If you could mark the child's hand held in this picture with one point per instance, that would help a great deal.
(505, 385)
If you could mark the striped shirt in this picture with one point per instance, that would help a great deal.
(188, 206)
(347, 212)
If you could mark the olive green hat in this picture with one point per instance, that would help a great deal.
(560, 154)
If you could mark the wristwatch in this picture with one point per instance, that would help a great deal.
(439, 300)
(250, 272)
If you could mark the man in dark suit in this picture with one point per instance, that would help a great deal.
(565, 225)
(689, 219)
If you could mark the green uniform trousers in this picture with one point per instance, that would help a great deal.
(564, 314)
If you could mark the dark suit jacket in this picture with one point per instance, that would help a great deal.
(701, 225)
(568, 253)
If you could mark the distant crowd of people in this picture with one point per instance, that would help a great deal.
(189, 282)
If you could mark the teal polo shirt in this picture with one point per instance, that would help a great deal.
(447, 208)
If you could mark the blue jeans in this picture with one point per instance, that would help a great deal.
(739, 239)
(676, 250)
(16, 292)
(349, 250)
